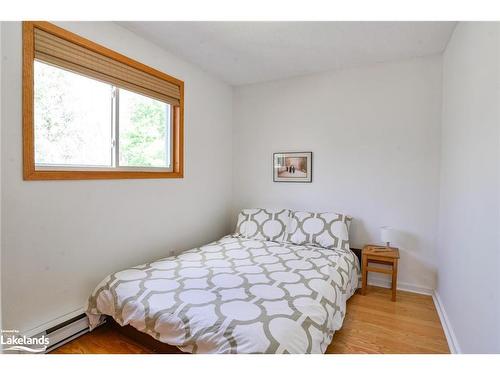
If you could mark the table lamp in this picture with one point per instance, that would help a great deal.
(388, 235)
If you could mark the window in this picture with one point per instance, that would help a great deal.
(90, 113)
(84, 123)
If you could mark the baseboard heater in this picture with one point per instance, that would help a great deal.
(66, 331)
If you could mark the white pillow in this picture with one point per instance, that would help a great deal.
(326, 229)
(263, 224)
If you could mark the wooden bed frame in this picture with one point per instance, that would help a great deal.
(143, 339)
(357, 252)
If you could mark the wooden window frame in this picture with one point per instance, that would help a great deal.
(29, 170)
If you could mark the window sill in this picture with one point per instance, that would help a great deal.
(98, 175)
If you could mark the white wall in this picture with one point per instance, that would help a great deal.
(374, 133)
(60, 238)
(1, 326)
(469, 225)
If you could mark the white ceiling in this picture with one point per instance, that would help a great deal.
(248, 52)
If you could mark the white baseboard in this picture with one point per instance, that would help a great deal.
(58, 331)
(52, 323)
(67, 333)
(407, 287)
(445, 322)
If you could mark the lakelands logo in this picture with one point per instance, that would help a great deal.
(11, 341)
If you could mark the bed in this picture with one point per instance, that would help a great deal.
(239, 294)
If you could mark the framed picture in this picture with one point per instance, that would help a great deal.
(292, 167)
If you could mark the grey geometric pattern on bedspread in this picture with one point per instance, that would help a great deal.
(328, 229)
(235, 282)
(263, 224)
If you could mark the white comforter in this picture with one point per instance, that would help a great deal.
(234, 296)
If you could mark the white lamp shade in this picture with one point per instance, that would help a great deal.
(388, 234)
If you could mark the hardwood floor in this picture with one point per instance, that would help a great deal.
(102, 340)
(373, 324)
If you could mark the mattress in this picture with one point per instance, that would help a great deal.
(234, 295)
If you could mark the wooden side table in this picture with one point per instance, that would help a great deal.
(380, 255)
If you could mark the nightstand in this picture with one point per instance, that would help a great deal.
(380, 255)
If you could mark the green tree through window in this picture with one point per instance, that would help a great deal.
(143, 131)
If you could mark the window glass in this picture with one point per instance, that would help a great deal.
(144, 127)
(73, 119)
